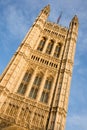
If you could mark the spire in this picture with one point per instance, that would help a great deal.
(46, 9)
(74, 22)
(75, 19)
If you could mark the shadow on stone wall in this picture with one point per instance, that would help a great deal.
(13, 128)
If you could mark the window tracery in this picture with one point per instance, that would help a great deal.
(41, 44)
(49, 47)
(36, 85)
(23, 86)
(46, 90)
(57, 50)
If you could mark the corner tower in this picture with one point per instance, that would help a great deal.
(34, 88)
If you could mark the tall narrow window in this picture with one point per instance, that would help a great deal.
(33, 93)
(57, 51)
(23, 86)
(44, 97)
(41, 44)
(27, 76)
(46, 91)
(37, 80)
(35, 87)
(49, 47)
(48, 84)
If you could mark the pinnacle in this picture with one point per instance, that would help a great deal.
(47, 8)
(75, 18)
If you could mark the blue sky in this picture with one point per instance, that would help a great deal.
(17, 16)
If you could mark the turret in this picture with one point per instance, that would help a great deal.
(74, 24)
(27, 44)
(66, 74)
(44, 12)
(37, 27)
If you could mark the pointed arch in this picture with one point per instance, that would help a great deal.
(48, 83)
(25, 81)
(46, 91)
(36, 85)
(41, 44)
(57, 50)
(49, 47)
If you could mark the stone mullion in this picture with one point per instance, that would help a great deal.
(53, 49)
(31, 82)
(45, 46)
(42, 86)
(61, 50)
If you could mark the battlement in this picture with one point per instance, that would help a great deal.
(56, 30)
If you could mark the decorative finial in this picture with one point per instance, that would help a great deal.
(46, 8)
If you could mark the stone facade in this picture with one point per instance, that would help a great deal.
(35, 86)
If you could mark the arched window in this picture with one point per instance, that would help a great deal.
(48, 84)
(23, 86)
(49, 47)
(57, 51)
(44, 97)
(46, 91)
(27, 76)
(33, 92)
(35, 87)
(41, 44)
(37, 80)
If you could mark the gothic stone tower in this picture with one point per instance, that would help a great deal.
(34, 88)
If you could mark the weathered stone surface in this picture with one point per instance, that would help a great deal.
(14, 128)
(34, 88)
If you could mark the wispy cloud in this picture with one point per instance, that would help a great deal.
(15, 21)
(77, 122)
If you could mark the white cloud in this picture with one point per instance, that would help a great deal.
(82, 71)
(77, 121)
(77, 62)
(15, 21)
(83, 45)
